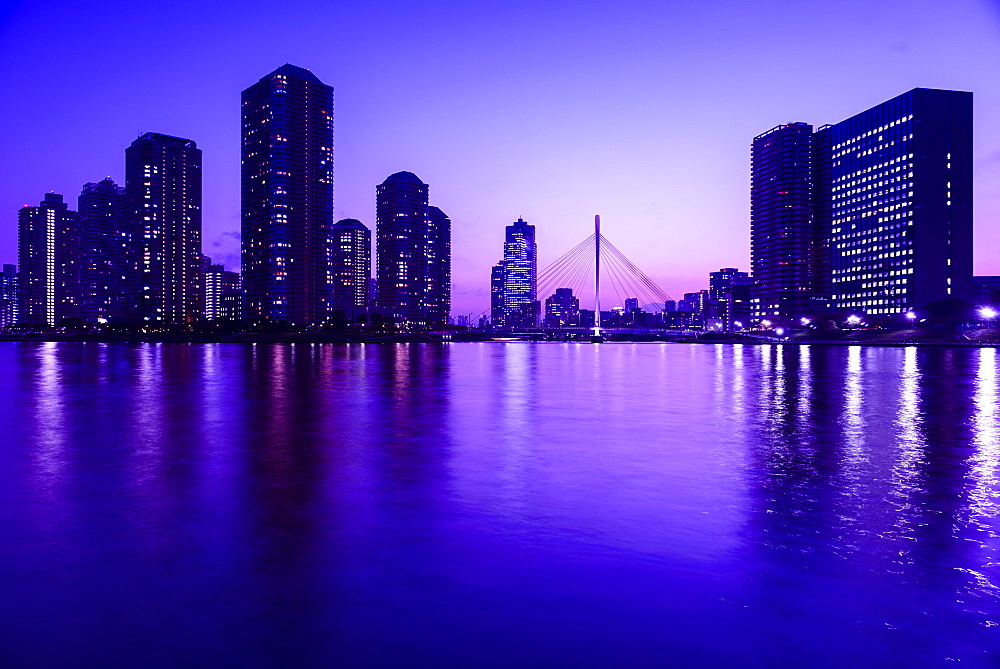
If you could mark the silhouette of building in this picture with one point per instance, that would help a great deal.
(438, 267)
(350, 265)
(895, 203)
(782, 233)
(496, 295)
(985, 290)
(287, 196)
(104, 245)
(163, 195)
(8, 295)
(413, 253)
(520, 267)
(48, 250)
(562, 309)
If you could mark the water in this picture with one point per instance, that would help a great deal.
(498, 505)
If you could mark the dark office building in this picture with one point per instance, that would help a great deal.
(287, 196)
(520, 262)
(104, 243)
(8, 295)
(163, 194)
(781, 221)
(562, 309)
(438, 267)
(496, 295)
(729, 291)
(899, 194)
(350, 264)
(48, 249)
(413, 253)
(985, 290)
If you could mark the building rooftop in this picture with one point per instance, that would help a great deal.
(290, 70)
(406, 177)
(351, 223)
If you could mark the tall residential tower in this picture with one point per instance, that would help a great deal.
(163, 196)
(104, 243)
(287, 196)
(413, 253)
(48, 241)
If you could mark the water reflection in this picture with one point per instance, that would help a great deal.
(563, 504)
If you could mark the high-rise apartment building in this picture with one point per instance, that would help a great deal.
(350, 264)
(163, 195)
(413, 253)
(520, 278)
(8, 295)
(781, 221)
(287, 196)
(48, 240)
(438, 267)
(104, 243)
(897, 197)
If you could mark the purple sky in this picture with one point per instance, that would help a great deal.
(642, 112)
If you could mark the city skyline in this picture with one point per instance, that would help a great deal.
(665, 177)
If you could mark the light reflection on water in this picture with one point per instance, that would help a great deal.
(494, 504)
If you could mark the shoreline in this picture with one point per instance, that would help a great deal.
(463, 337)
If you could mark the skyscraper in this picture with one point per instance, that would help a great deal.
(48, 239)
(350, 264)
(104, 244)
(413, 253)
(287, 196)
(163, 195)
(438, 266)
(781, 221)
(520, 261)
(896, 204)
(8, 295)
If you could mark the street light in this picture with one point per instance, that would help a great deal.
(853, 320)
(780, 332)
(910, 316)
(987, 313)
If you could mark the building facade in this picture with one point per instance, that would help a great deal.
(104, 244)
(350, 264)
(163, 194)
(287, 196)
(413, 254)
(221, 287)
(897, 201)
(781, 221)
(48, 249)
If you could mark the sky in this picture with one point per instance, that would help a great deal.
(642, 112)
